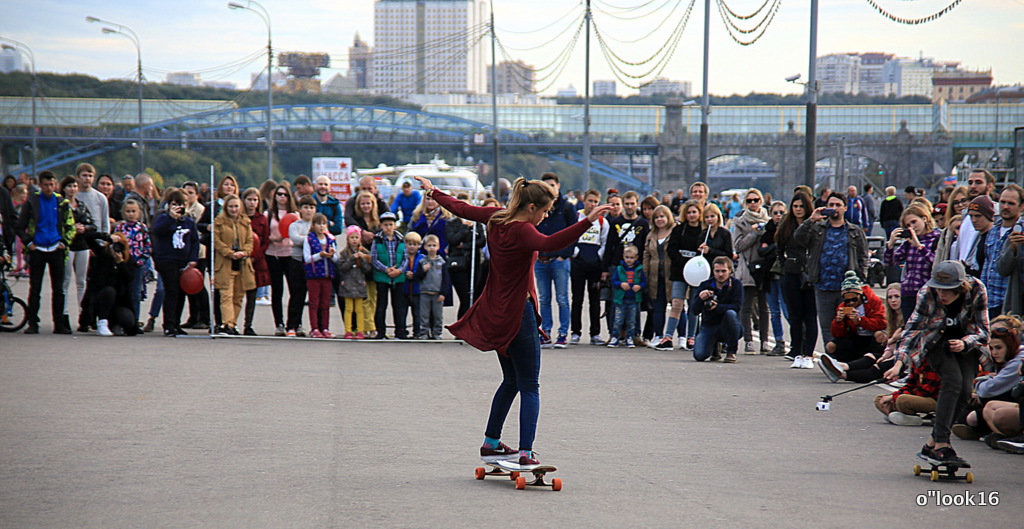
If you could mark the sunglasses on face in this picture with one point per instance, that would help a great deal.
(753, 200)
(961, 201)
(282, 194)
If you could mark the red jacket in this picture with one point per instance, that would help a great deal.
(873, 320)
(494, 320)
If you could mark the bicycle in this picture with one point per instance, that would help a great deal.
(13, 310)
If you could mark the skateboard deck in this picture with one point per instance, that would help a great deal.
(514, 472)
(941, 470)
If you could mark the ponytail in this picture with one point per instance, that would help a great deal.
(525, 192)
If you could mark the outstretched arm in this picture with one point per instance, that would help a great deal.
(457, 207)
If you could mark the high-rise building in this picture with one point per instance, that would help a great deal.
(910, 77)
(604, 88)
(429, 46)
(872, 79)
(360, 64)
(513, 78)
(838, 73)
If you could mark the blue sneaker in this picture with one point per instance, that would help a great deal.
(545, 343)
(560, 343)
(597, 340)
(614, 342)
(629, 342)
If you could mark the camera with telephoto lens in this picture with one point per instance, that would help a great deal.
(904, 234)
(117, 247)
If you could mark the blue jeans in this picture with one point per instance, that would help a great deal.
(521, 372)
(727, 331)
(777, 308)
(625, 313)
(557, 271)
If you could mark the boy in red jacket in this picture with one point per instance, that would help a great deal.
(859, 315)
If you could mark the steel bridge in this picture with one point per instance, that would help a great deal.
(323, 125)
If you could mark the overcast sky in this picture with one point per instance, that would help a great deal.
(196, 35)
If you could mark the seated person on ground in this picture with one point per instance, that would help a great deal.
(718, 301)
(867, 368)
(908, 404)
(998, 384)
(859, 315)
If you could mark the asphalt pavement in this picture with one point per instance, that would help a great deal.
(196, 432)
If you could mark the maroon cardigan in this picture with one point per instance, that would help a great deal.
(494, 320)
(261, 227)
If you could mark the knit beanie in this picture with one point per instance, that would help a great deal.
(852, 282)
(982, 204)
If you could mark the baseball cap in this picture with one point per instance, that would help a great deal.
(387, 215)
(947, 275)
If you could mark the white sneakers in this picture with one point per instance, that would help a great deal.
(802, 362)
(103, 329)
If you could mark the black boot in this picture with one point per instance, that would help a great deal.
(62, 325)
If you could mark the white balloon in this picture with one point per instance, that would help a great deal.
(696, 271)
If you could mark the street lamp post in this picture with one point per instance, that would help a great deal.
(21, 47)
(126, 32)
(811, 132)
(255, 7)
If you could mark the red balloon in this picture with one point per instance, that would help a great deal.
(191, 281)
(285, 222)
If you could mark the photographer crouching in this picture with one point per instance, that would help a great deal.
(718, 301)
(108, 295)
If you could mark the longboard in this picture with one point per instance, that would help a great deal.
(514, 472)
(941, 470)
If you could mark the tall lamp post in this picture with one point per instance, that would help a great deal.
(126, 32)
(255, 7)
(21, 47)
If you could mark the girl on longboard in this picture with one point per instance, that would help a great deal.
(513, 241)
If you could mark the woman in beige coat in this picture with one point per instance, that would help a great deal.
(233, 273)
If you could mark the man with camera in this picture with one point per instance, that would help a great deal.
(175, 247)
(834, 246)
(718, 301)
(860, 314)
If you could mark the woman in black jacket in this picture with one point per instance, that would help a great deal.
(683, 245)
(769, 253)
(797, 293)
(77, 264)
(460, 259)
